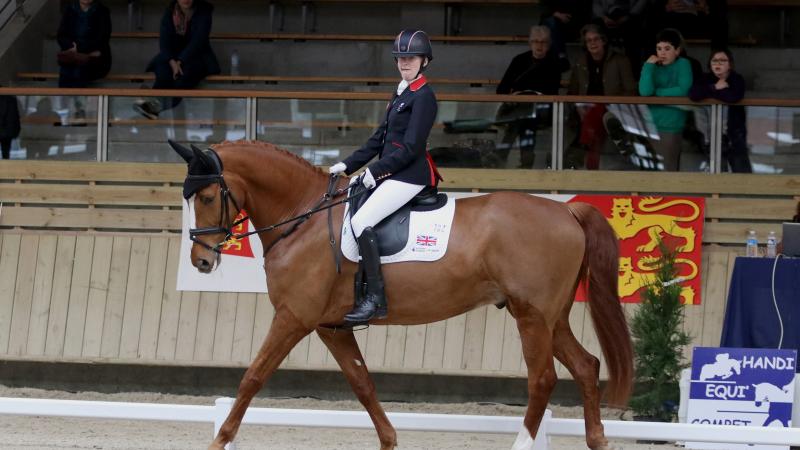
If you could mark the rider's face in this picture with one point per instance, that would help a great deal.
(409, 66)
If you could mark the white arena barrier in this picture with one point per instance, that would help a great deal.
(402, 421)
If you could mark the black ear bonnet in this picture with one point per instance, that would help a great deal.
(205, 167)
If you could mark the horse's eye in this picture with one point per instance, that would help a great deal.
(206, 200)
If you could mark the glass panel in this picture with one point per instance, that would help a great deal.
(637, 137)
(320, 131)
(772, 146)
(56, 127)
(139, 128)
(493, 135)
(466, 134)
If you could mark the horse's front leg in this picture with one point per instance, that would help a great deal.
(284, 333)
(344, 348)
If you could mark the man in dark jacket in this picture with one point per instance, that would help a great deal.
(83, 36)
(185, 55)
(536, 71)
(9, 123)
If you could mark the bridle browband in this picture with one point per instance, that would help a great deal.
(226, 194)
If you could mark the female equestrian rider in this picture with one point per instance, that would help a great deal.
(403, 168)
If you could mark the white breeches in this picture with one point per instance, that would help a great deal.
(387, 198)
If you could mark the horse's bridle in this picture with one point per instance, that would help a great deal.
(225, 194)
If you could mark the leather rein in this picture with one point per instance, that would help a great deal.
(228, 197)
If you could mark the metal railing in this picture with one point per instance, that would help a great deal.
(558, 105)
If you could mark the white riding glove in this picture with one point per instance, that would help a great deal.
(337, 168)
(369, 180)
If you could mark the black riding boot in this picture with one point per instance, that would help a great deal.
(373, 305)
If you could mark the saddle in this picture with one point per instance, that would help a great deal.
(392, 232)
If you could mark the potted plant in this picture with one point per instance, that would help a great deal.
(659, 339)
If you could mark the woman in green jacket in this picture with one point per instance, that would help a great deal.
(666, 74)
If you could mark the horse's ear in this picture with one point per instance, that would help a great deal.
(185, 153)
(198, 154)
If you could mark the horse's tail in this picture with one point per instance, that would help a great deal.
(599, 272)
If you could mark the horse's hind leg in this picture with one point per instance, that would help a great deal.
(585, 370)
(538, 352)
(284, 333)
(344, 348)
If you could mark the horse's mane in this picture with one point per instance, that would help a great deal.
(265, 147)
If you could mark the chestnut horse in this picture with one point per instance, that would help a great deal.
(507, 247)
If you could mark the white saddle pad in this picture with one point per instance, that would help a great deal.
(428, 233)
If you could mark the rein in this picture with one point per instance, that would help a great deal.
(226, 194)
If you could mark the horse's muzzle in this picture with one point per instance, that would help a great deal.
(204, 265)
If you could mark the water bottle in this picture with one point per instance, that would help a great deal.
(235, 63)
(772, 245)
(752, 244)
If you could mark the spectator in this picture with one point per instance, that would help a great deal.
(185, 55)
(666, 74)
(9, 123)
(723, 83)
(533, 72)
(690, 17)
(564, 18)
(600, 70)
(624, 21)
(83, 37)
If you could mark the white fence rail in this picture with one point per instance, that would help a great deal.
(402, 421)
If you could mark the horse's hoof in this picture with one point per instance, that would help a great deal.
(215, 446)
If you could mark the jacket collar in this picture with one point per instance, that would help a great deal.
(415, 85)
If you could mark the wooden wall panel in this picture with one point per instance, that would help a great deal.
(9, 257)
(59, 301)
(170, 305)
(454, 343)
(243, 329)
(78, 296)
(42, 292)
(98, 291)
(115, 296)
(153, 298)
(206, 326)
(395, 347)
(187, 326)
(23, 295)
(225, 326)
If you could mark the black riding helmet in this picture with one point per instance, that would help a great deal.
(413, 43)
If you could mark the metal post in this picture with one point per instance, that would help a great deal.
(715, 152)
(251, 124)
(102, 128)
(557, 152)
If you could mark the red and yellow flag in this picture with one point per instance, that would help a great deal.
(639, 222)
